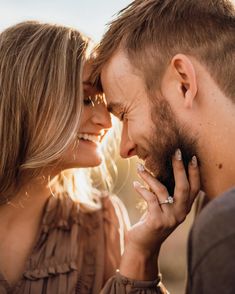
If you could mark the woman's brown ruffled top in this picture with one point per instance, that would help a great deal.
(78, 252)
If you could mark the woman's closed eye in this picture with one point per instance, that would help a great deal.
(88, 101)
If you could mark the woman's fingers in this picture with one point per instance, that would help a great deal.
(149, 197)
(181, 191)
(194, 178)
(186, 189)
(161, 215)
(162, 218)
(157, 188)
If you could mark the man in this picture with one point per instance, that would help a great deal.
(167, 69)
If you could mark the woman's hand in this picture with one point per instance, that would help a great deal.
(144, 239)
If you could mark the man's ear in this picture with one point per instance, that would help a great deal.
(185, 73)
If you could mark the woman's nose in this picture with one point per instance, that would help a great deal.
(101, 116)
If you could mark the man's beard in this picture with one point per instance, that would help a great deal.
(168, 137)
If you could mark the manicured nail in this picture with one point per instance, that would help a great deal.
(194, 161)
(178, 154)
(140, 167)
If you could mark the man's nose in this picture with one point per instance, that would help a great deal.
(127, 146)
(102, 116)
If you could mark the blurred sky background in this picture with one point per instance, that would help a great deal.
(89, 16)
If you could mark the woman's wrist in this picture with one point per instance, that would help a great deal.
(138, 264)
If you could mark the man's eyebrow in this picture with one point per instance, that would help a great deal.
(114, 107)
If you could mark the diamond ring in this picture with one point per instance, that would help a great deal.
(169, 200)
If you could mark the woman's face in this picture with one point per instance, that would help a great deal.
(95, 122)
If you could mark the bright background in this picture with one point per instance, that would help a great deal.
(90, 17)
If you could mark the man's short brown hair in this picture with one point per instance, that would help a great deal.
(152, 31)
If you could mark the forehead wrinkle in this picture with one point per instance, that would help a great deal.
(119, 83)
(123, 85)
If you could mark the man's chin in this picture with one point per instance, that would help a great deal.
(151, 166)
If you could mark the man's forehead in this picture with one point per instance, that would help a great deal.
(113, 78)
(118, 75)
(121, 84)
(118, 67)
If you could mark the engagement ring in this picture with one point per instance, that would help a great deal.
(169, 200)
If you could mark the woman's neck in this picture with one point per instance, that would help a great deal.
(27, 204)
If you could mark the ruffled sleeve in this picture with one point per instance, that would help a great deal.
(119, 284)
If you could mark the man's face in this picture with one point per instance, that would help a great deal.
(150, 129)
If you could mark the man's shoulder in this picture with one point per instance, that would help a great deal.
(215, 223)
(211, 254)
(217, 211)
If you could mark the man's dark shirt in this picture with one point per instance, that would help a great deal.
(211, 248)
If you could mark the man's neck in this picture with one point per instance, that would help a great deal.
(217, 152)
(217, 179)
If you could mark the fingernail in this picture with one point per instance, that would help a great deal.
(194, 161)
(178, 154)
(140, 167)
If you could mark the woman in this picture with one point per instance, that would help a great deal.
(52, 120)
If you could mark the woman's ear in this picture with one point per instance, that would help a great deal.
(185, 73)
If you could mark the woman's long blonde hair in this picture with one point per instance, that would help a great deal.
(40, 98)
